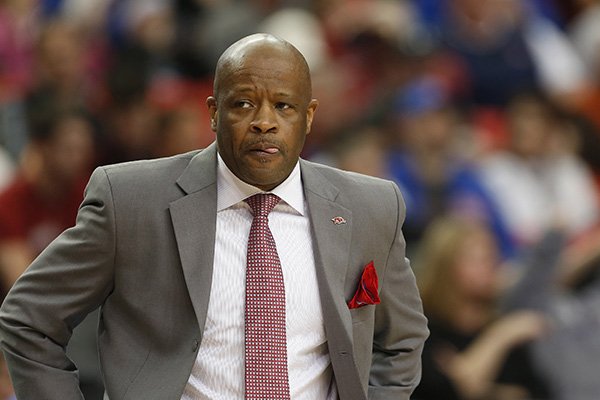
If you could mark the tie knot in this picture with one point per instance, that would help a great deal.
(262, 203)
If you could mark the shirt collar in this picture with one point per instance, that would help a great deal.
(232, 190)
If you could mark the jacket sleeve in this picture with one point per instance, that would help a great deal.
(400, 326)
(71, 278)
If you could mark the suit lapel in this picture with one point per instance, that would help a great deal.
(331, 243)
(194, 222)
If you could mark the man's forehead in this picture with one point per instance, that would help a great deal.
(265, 71)
(276, 87)
(262, 68)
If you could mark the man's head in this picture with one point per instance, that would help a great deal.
(63, 143)
(262, 109)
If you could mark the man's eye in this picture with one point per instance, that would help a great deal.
(243, 104)
(282, 106)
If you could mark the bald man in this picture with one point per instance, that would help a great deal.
(166, 248)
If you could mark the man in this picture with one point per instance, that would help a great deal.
(161, 246)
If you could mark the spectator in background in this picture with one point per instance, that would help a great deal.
(370, 54)
(360, 149)
(471, 353)
(130, 130)
(43, 198)
(584, 31)
(60, 66)
(506, 41)
(19, 25)
(539, 179)
(142, 62)
(561, 280)
(180, 130)
(40, 57)
(432, 165)
(60, 79)
(146, 36)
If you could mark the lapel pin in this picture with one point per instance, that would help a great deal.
(338, 220)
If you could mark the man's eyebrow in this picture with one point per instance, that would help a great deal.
(245, 88)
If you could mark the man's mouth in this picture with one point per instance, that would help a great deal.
(265, 150)
(270, 150)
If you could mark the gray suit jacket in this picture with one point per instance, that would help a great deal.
(142, 249)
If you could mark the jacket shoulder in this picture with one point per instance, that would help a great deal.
(141, 180)
(351, 180)
(150, 166)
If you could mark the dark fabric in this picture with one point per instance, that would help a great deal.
(435, 385)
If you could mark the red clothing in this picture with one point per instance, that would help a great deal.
(26, 215)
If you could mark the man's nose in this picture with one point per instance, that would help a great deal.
(265, 120)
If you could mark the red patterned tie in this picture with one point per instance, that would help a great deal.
(266, 350)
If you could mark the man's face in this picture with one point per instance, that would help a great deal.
(261, 115)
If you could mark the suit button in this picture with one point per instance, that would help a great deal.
(195, 344)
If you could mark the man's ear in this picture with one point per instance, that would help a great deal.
(310, 113)
(211, 103)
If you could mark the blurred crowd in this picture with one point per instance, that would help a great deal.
(486, 113)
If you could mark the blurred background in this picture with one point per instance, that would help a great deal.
(486, 113)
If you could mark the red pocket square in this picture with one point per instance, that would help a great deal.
(367, 288)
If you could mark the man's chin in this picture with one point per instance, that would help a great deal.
(266, 180)
(265, 171)
(263, 159)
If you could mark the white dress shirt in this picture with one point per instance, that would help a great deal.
(218, 372)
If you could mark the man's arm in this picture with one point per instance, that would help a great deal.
(400, 326)
(68, 280)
